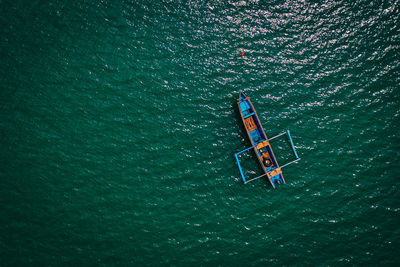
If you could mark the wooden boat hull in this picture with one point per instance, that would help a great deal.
(259, 141)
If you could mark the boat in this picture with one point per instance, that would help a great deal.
(260, 143)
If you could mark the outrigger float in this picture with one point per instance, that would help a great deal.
(260, 144)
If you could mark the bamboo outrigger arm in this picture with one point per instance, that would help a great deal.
(291, 144)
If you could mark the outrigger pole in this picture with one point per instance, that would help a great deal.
(291, 144)
(293, 148)
(238, 163)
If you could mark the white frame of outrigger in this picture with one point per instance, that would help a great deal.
(291, 144)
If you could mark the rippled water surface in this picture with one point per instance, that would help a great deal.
(119, 124)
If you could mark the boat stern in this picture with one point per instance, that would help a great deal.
(275, 177)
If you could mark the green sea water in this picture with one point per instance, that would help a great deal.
(119, 124)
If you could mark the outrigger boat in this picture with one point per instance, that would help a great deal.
(260, 144)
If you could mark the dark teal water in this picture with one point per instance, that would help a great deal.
(119, 124)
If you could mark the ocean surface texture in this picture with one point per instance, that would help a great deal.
(119, 125)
